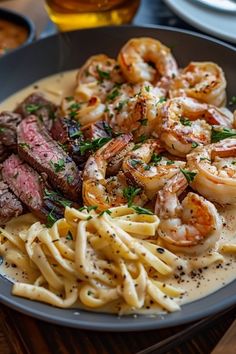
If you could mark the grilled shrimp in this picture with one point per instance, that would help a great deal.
(185, 123)
(97, 77)
(137, 54)
(135, 109)
(215, 166)
(98, 190)
(204, 81)
(85, 112)
(192, 226)
(148, 168)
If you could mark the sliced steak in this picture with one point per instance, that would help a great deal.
(38, 105)
(10, 205)
(67, 132)
(8, 124)
(36, 147)
(31, 189)
(98, 130)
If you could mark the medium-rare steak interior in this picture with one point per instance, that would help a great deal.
(45, 155)
(32, 190)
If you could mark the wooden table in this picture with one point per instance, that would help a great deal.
(21, 334)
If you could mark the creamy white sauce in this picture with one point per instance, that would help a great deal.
(197, 284)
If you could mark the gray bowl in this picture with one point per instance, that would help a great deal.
(68, 51)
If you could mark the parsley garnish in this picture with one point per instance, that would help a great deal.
(142, 138)
(114, 93)
(194, 144)
(105, 211)
(69, 236)
(161, 100)
(185, 122)
(204, 158)
(232, 101)
(32, 108)
(88, 208)
(51, 219)
(137, 146)
(69, 179)
(24, 145)
(140, 210)
(56, 198)
(69, 98)
(2, 129)
(156, 158)
(143, 122)
(76, 134)
(103, 74)
(121, 105)
(147, 88)
(221, 134)
(130, 193)
(93, 145)
(73, 109)
(189, 175)
(134, 162)
(58, 166)
(170, 162)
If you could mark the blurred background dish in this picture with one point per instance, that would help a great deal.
(15, 30)
(217, 23)
(222, 5)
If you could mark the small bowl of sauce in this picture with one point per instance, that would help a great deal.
(16, 30)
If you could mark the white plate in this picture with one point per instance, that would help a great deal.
(222, 5)
(218, 23)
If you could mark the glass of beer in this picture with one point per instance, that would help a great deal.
(73, 14)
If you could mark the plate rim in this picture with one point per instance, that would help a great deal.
(199, 25)
(75, 322)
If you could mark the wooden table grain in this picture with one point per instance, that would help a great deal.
(21, 334)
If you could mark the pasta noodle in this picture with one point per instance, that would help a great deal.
(100, 264)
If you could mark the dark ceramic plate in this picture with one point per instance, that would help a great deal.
(68, 51)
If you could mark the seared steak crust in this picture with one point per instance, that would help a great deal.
(38, 105)
(67, 132)
(8, 124)
(36, 147)
(10, 206)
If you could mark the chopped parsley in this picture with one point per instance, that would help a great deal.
(185, 121)
(113, 94)
(170, 162)
(69, 236)
(204, 158)
(55, 197)
(121, 105)
(93, 144)
(73, 109)
(232, 101)
(134, 162)
(137, 146)
(32, 108)
(2, 129)
(88, 208)
(194, 144)
(103, 75)
(69, 98)
(69, 179)
(156, 158)
(58, 166)
(189, 175)
(161, 100)
(142, 138)
(51, 219)
(141, 210)
(221, 134)
(143, 122)
(147, 88)
(24, 145)
(105, 211)
(130, 193)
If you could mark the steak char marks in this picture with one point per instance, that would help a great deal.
(38, 105)
(36, 147)
(8, 125)
(10, 206)
(32, 190)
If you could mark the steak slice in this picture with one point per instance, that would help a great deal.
(67, 132)
(8, 125)
(10, 206)
(36, 147)
(38, 105)
(98, 130)
(31, 189)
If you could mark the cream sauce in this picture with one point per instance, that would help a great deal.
(196, 283)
